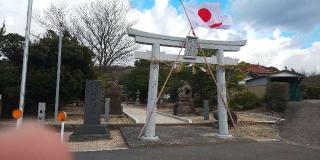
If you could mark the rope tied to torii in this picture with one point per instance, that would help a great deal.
(211, 73)
(149, 114)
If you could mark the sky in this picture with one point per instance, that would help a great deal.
(278, 33)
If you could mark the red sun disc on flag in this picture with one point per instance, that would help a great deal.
(204, 14)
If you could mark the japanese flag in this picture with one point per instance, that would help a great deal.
(208, 15)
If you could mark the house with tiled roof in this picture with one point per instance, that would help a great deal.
(259, 76)
(257, 70)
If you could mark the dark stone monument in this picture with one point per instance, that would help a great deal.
(184, 105)
(113, 91)
(205, 109)
(91, 129)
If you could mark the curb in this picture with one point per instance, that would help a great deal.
(170, 115)
(131, 117)
(176, 117)
(277, 119)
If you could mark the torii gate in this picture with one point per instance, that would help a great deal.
(190, 56)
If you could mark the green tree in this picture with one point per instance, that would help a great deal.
(41, 78)
(137, 79)
(197, 75)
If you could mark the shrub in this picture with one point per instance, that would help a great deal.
(244, 100)
(277, 96)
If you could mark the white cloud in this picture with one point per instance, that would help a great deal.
(265, 47)
(14, 12)
(294, 15)
(271, 50)
(280, 51)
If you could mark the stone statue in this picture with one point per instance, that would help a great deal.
(184, 104)
(113, 91)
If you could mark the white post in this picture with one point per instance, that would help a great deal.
(221, 80)
(62, 132)
(149, 133)
(25, 62)
(41, 112)
(56, 106)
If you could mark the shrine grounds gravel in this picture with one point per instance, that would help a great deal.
(116, 142)
(175, 136)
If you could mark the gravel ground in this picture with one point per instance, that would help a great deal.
(256, 131)
(116, 142)
(174, 135)
(78, 119)
(302, 124)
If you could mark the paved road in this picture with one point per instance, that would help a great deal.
(302, 123)
(140, 115)
(229, 151)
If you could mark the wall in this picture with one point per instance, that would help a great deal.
(259, 91)
(258, 82)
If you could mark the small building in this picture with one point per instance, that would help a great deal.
(258, 84)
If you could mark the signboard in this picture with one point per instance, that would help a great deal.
(192, 45)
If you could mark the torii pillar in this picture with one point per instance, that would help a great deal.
(190, 56)
(152, 94)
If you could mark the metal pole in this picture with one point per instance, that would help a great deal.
(56, 106)
(25, 62)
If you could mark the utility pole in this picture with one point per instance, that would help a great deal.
(56, 106)
(25, 62)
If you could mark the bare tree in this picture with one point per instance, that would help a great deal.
(102, 26)
(55, 17)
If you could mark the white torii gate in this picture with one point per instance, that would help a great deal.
(155, 57)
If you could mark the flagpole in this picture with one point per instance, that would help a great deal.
(25, 62)
(56, 106)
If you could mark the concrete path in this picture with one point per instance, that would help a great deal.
(139, 115)
(226, 151)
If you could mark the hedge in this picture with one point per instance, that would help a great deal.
(312, 93)
(244, 100)
(277, 96)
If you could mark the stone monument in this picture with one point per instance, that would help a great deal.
(206, 109)
(91, 129)
(113, 91)
(185, 102)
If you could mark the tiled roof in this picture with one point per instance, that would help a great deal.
(258, 69)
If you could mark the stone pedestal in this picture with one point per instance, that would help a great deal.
(90, 132)
(91, 129)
